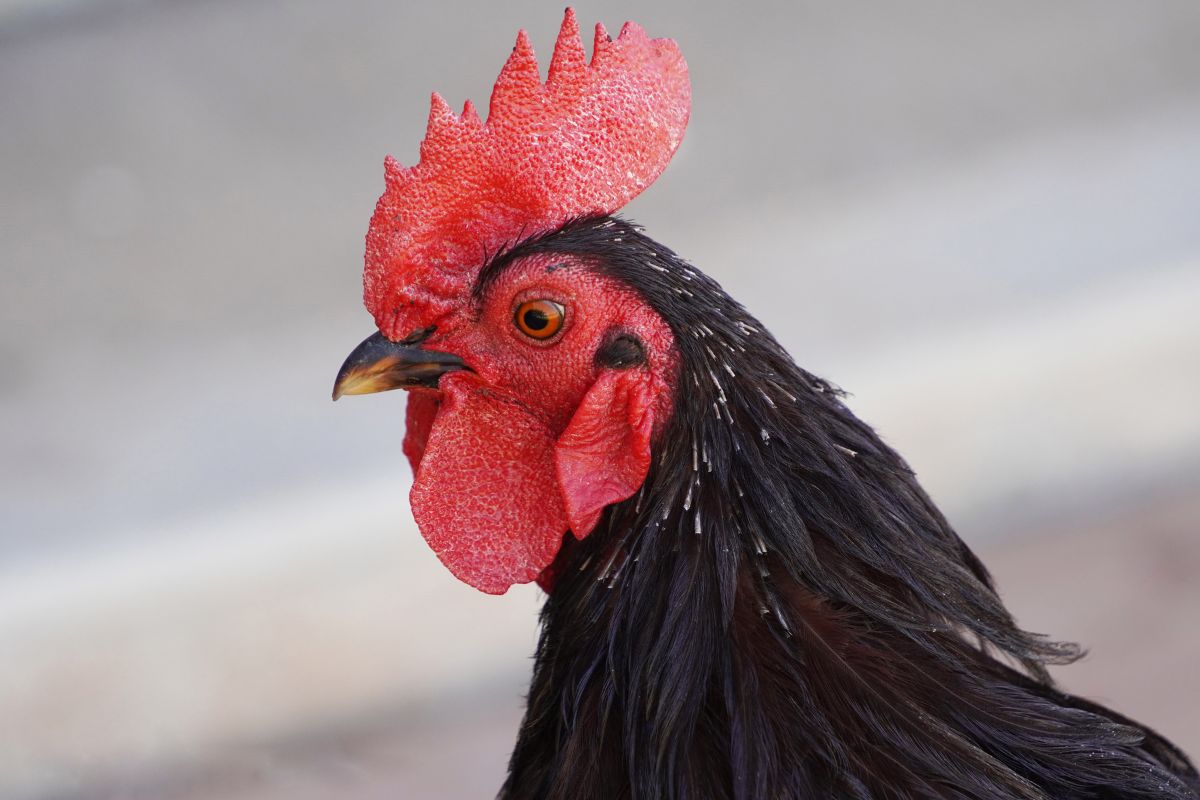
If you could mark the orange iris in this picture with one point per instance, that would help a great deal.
(540, 319)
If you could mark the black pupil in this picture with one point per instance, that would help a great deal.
(536, 319)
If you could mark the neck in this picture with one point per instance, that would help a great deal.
(782, 612)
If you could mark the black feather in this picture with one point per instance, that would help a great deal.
(782, 612)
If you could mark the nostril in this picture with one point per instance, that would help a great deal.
(418, 336)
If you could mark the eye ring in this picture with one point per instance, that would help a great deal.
(540, 319)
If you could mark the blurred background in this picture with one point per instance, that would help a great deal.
(981, 220)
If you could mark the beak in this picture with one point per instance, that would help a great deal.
(378, 365)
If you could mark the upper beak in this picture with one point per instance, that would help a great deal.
(379, 364)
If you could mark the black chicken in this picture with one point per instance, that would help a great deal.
(782, 612)
(749, 595)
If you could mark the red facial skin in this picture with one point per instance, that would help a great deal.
(538, 438)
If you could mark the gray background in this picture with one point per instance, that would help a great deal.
(980, 220)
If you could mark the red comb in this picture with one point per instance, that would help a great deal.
(587, 141)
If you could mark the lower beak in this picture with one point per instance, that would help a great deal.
(378, 365)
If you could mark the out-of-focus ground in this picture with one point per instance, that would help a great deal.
(1134, 604)
(982, 221)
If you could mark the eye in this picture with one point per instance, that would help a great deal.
(539, 319)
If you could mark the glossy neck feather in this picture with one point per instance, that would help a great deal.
(782, 612)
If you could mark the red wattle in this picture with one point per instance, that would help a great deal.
(485, 495)
(418, 421)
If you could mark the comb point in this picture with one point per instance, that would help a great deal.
(519, 81)
(601, 44)
(631, 30)
(439, 112)
(440, 130)
(569, 60)
(395, 174)
(470, 116)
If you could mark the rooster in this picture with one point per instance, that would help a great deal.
(748, 593)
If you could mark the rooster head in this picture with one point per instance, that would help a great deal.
(536, 381)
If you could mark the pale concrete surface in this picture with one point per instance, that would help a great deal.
(980, 220)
